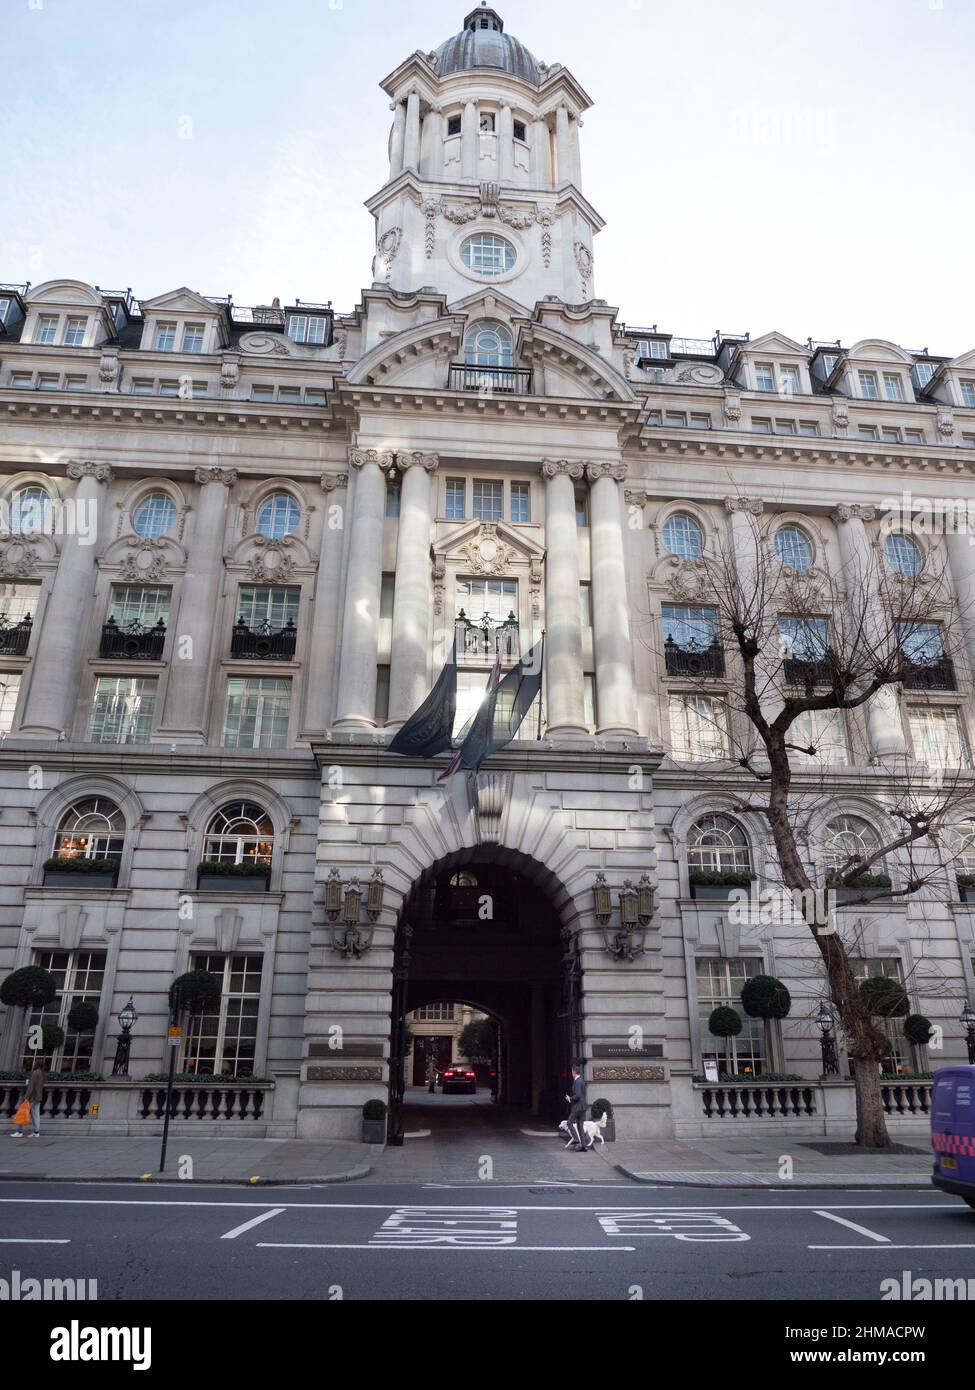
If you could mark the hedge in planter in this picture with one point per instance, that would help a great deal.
(885, 998)
(79, 866)
(225, 868)
(29, 988)
(196, 991)
(917, 1029)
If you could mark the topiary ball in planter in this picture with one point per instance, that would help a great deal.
(83, 1017)
(917, 1029)
(52, 1037)
(597, 1110)
(725, 1022)
(763, 996)
(196, 991)
(29, 988)
(885, 998)
(374, 1122)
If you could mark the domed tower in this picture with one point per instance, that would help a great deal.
(485, 173)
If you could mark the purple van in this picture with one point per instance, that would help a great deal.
(953, 1131)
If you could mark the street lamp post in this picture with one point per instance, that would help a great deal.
(967, 1021)
(827, 1042)
(127, 1017)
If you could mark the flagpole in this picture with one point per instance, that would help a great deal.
(541, 686)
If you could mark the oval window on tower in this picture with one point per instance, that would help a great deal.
(488, 255)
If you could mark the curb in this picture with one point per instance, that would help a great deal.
(765, 1181)
(353, 1175)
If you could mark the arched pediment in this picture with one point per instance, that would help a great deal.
(71, 292)
(880, 350)
(272, 561)
(570, 369)
(410, 355)
(143, 560)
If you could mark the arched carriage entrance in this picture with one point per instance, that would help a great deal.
(481, 927)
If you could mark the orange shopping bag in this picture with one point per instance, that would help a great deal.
(22, 1113)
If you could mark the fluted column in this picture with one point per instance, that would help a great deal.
(885, 731)
(469, 141)
(397, 139)
(411, 138)
(563, 614)
(575, 152)
(184, 717)
(363, 588)
(410, 652)
(961, 561)
(612, 642)
(431, 144)
(506, 144)
(541, 155)
(54, 683)
(563, 156)
(321, 668)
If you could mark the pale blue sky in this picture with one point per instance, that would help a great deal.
(760, 164)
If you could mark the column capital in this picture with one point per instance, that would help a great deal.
(853, 511)
(636, 499)
(333, 481)
(227, 476)
(429, 462)
(382, 458)
(616, 471)
(101, 472)
(754, 505)
(552, 468)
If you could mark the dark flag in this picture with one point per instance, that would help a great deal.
(428, 731)
(502, 710)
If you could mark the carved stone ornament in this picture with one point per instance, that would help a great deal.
(731, 409)
(428, 462)
(389, 245)
(382, 458)
(946, 424)
(519, 218)
(636, 499)
(144, 559)
(488, 554)
(753, 505)
(616, 471)
(108, 368)
(687, 580)
(551, 468)
(229, 371)
(227, 476)
(17, 560)
(584, 262)
(332, 482)
(439, 586)
(853, 511)
(101, 472)
(628, 1074)
(702, 372)
(265, 345)
(841, 417)
(273, 564)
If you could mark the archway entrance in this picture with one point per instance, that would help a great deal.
(485, 932)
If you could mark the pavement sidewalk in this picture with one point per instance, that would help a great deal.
(88, 1158)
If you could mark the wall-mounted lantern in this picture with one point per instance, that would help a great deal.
(636, 908)
(343, 907)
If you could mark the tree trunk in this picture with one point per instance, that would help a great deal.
(871, 1131)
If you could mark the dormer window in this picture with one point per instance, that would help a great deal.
(924, 371)
(193, 337)
(789, 381)
(165, 337)
(47, 328)
(967, 392)
(311, 329)
(893, 386)
(868, 386)
(764, 376)
(74, 333)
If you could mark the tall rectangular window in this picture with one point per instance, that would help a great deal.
(803, 639)
(122, 709)
(886, 968)
(382, 694)
(9, 690)
(307, 328)
(488, 504)
(18, 601)
(47, 328)
(582, 509)
(690, 627)
(938, 736)
(193, 337)
(387, 595)
(764, 376)
(921, 643)
(394, 496)
(968, 393)
(258, 708)
(139, 603)
(454, 501)
(893, 386)
(270, 604)
(78, 977)
(222, 1039)
(698, 728)
(821, 734)
(719, 985)
(74, 333)
(868, 385)
(789, 381)
(520, 503)
(589, 699)
(165, 337)
(585, 604)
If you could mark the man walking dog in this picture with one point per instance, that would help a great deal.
(577, 1110)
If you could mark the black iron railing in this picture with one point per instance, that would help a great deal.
(801, 673)
(486, 636)
(492, 381)
(931, 675)
(15, 637)
(264, 642)
(694, 661)
(133, 641)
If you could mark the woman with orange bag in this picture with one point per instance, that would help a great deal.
(29, 1110)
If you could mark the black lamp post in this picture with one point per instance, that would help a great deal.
(967, 1021)
(827, 1042)
(127, 1017)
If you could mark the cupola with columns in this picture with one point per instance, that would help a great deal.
(485, 177)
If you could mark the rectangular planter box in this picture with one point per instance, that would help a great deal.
(54, 879)
(717, 892)
(230, 883)
(853, 895)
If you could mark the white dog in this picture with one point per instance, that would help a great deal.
(592, 1129)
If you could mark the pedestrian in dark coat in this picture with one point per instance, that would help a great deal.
(577, 1110)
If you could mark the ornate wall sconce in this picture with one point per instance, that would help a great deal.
(343, 907)
(636, 909)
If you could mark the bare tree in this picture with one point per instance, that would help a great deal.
(804, 643)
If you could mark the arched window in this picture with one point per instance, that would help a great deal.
(903, 555)
(240, 832)
(278, 516)
(847, 839)
(31, 511)
(463, 880)
(488, 255)
(963, 845)
(91, 829)
(488, 345)
(718, 844)
(154, 516)
(683, 536)
(793, 548)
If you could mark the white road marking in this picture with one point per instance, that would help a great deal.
(852, 1225)
(473, 1207)
(890, 1247)
(30, 1240)
(249, 1225)
(492, 1250)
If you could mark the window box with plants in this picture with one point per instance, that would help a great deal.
(860, 889)
(966, 887)
(718, 883)
(75, 871)
(374, 1122)
(224, 876)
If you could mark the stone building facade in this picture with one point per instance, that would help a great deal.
(236, 545)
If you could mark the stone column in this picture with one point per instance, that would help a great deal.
(54, 686)
(397, 139)
(563, 157)
(745, 541)
(363, 587)
(612, 643)
(541, 155)
(885, 731)
(411, 139)
(184, 717)
(961, 561)
(470, 134)
(431, 144)
(320, 673)
(563, 613)
(506, 145)
(410, 653)
(575, 152)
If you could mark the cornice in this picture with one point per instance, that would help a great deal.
(150, 411)
(726, 448)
